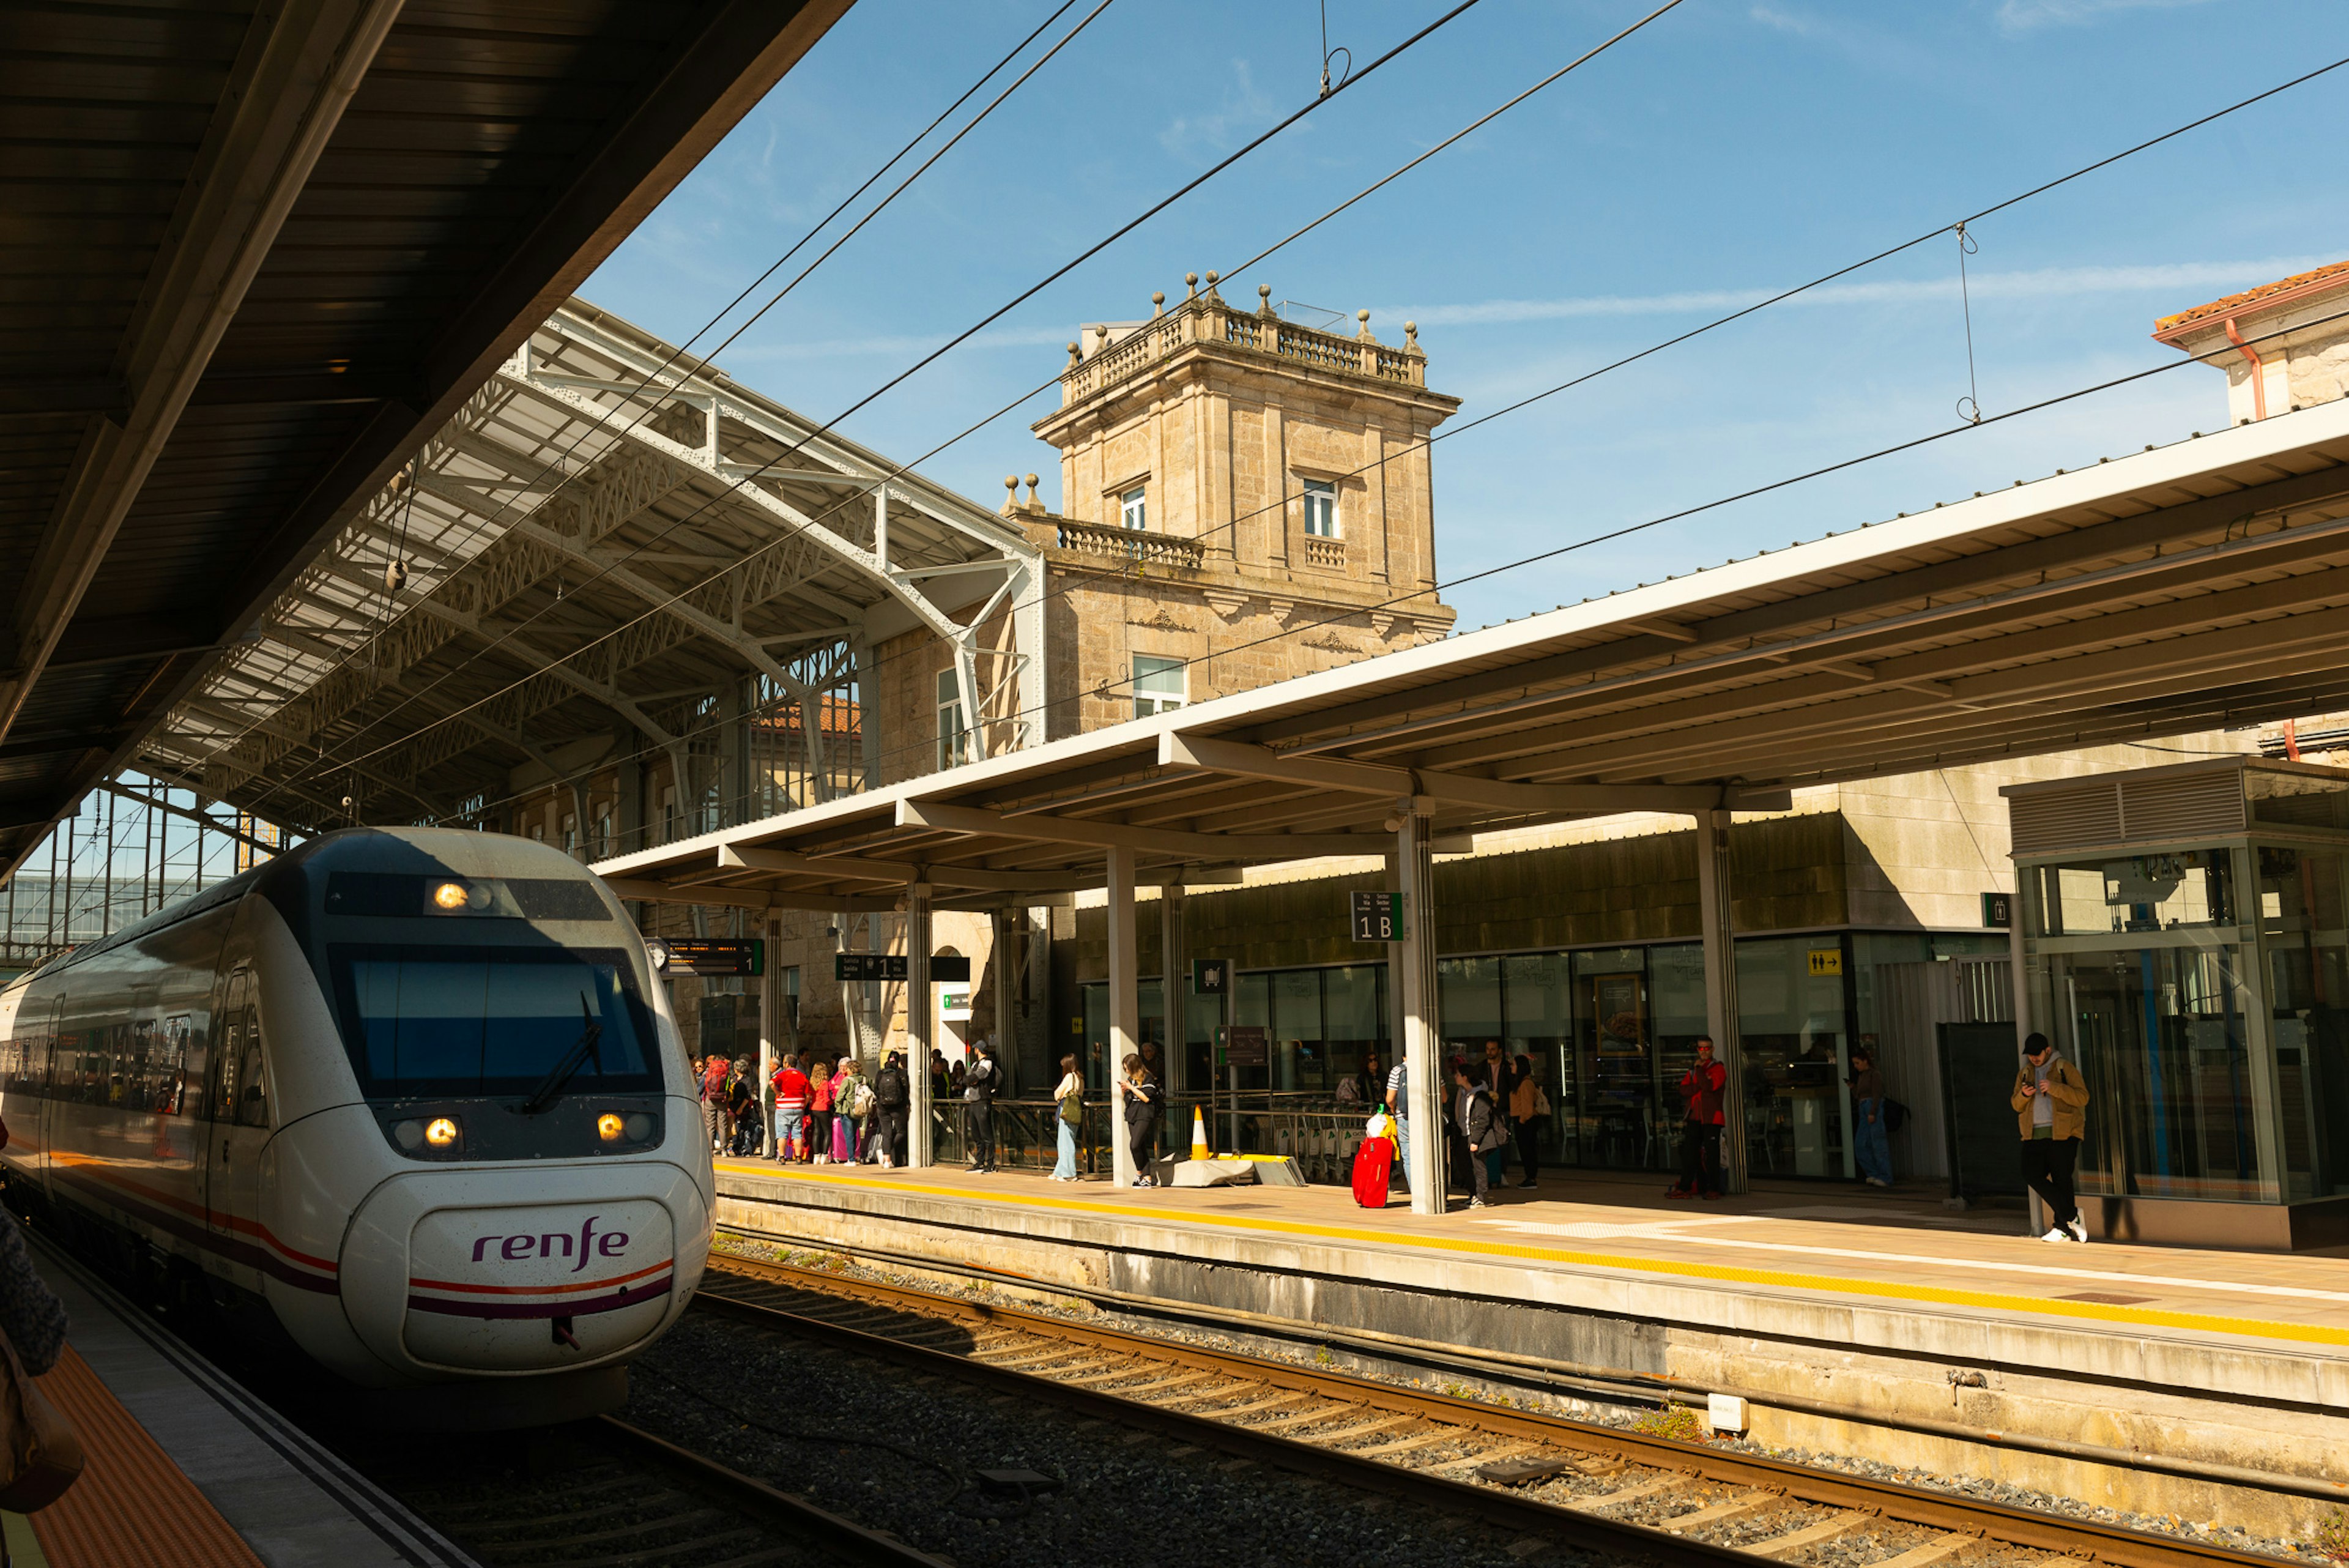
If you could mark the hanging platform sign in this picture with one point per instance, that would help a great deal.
(710, 955)
(868, 967)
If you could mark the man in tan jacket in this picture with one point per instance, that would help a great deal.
(2051, 1101)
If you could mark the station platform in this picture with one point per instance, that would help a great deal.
(2206, 1384)
(187, 1470)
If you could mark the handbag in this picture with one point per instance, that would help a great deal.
(1072, 1111)
(40, 1453)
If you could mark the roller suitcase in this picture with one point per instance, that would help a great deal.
(1372, 1163)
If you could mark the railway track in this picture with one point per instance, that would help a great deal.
(605, 1494)
(1596, 1487)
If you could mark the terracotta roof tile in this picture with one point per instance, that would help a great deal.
(2234, 303)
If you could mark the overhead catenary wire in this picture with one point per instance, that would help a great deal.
(1714, 325)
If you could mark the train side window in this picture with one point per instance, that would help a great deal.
(228, 1025)
(176, 1069)
(252, 1095)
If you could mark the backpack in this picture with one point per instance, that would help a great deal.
(861, 1105)
(977, 1082)
(1896, 1115)
(890, 1088)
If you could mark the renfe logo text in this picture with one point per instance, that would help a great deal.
(514, 1248)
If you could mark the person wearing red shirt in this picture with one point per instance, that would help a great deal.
(1703, 1086)
(792, 1089)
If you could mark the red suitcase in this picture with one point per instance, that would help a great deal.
(1372, 1163)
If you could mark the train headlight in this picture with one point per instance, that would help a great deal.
(409, 1135)
(450, 895)
(608, 1126)
(640, 1127)
(441, 1132)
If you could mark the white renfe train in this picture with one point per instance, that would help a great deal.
(412, 1095)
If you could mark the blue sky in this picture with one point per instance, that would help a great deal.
(1731, 148)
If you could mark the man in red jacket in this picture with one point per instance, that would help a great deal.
(1703, 1086)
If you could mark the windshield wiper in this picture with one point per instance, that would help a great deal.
(550, 1088)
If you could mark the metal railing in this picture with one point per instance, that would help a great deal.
(1318, 1131)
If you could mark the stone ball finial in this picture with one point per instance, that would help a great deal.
(1211, 280)
(1264, 291)
(1032, 481)
(1011, 482)
(1157, 300)
(1074, 356)
(1362, 316)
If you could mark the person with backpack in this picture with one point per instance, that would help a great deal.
(978, 1083)
(1140, 1091)
(1870, 1145)
(847, 1085)
(792, 1089)
(1068, 1116)
(1478, 1125)
(893, 1099)
(742, 1109)
(1528, 1110)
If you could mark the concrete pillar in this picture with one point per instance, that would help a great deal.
(1125, 1006)
(1174, 964)
(1415, 960)
(770, 1027)
(921, 1019)
(2036, 1220)
(1713, 896)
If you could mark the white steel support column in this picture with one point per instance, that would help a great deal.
(921, 1019)
(1125, 1006)
(1005, 952)
(770, 1019)
(1414, 957)
(2036, 1220)
(1174, 965)
(1721, 1016)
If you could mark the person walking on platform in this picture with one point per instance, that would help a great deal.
(893, 1102)
(1140, 1092)
(1477, 1124)
(1872, 1146)
(1399, 1107)
(2051, 1110)
(1703, 1087)
(979, 1078)
(1528, 1110)
(790, 1109)
(1068, 1116)
(1494, 1073)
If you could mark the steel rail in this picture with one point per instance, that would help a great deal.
(2080, 1538)
(756, 1497)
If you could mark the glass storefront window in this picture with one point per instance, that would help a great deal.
(2301, 930)
(1676, 993)
(2281, 797)
(1354, 1030)
(1622, 1124)
(1299, 1061)
(1538, 999)
(1791, 1007)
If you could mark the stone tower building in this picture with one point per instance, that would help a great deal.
(1246, 496)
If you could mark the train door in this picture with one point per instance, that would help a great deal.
(238, 1112)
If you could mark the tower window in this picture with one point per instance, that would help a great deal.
(953, 731)
(1158, 685)
(1321, 509)
(1131, 509)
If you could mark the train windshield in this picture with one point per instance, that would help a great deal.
(456, 1021)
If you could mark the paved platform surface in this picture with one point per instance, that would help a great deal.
(1822, 1245)
(187, 1470)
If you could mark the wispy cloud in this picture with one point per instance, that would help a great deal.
(1244, 107)
(2045, 283)
(2029, 15)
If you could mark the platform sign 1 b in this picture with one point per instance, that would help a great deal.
(1378, 916)
(1211, 977)
(868, 966)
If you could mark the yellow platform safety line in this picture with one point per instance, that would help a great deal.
(1938, 1295)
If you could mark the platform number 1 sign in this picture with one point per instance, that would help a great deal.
(1378, 916)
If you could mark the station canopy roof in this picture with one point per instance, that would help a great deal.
(256, 255)
(2201, 585)
(607, 533)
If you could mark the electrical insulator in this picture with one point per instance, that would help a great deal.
(395, 576)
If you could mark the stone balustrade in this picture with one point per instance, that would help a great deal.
(1130, 545)
(1206, 318)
